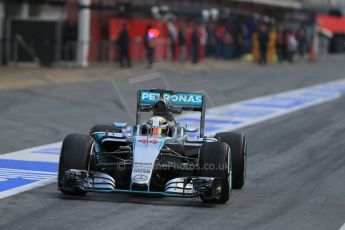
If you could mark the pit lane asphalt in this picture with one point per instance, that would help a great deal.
(295, 164)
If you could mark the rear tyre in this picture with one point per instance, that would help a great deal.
(104, 128)
(238, 146)
(215, 161)
(74, 155)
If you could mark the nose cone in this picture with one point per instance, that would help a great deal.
(145, 152)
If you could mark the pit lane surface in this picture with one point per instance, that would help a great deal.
(295, 168)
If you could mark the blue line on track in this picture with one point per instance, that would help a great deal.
(29, 165)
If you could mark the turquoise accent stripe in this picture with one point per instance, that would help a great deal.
(144, 192)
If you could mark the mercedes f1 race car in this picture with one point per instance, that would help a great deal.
(156, 156)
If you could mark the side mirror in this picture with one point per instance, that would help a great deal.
(119, 125)
(145, 108)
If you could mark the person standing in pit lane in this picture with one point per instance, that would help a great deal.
(302, 43)
(292, 46)
(181, 37)
(149, 43)
(123, 44)
(263, 42)
(281, 43)
(195, 45)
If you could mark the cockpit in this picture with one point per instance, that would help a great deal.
(158, 126)
(156, 110)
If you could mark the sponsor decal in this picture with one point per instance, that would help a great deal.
(149, 97)
(154, 142)
(145, 141)
(184, 99)
(140, 178)
(192, 99)
(142, 167)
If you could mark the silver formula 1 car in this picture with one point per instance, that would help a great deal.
(157, 155)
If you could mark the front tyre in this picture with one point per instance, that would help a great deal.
(75, 153)
(238, 146)
(215, 161)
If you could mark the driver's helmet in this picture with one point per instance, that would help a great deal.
(157, 121)
(161, 109)
(158, 126)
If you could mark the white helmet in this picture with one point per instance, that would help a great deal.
(157, 121)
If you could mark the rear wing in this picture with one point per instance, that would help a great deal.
(186, 101)
(178, 102)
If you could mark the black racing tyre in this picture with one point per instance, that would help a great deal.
(104, 128)
(74, 155)
(238, 147)
(215, 161)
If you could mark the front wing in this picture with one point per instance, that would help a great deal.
(208, 187)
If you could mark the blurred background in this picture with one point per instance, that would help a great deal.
(66, 65)
(83, 32)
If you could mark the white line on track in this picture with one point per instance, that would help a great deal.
(42, 153)
(342, 227)
(26, 187)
